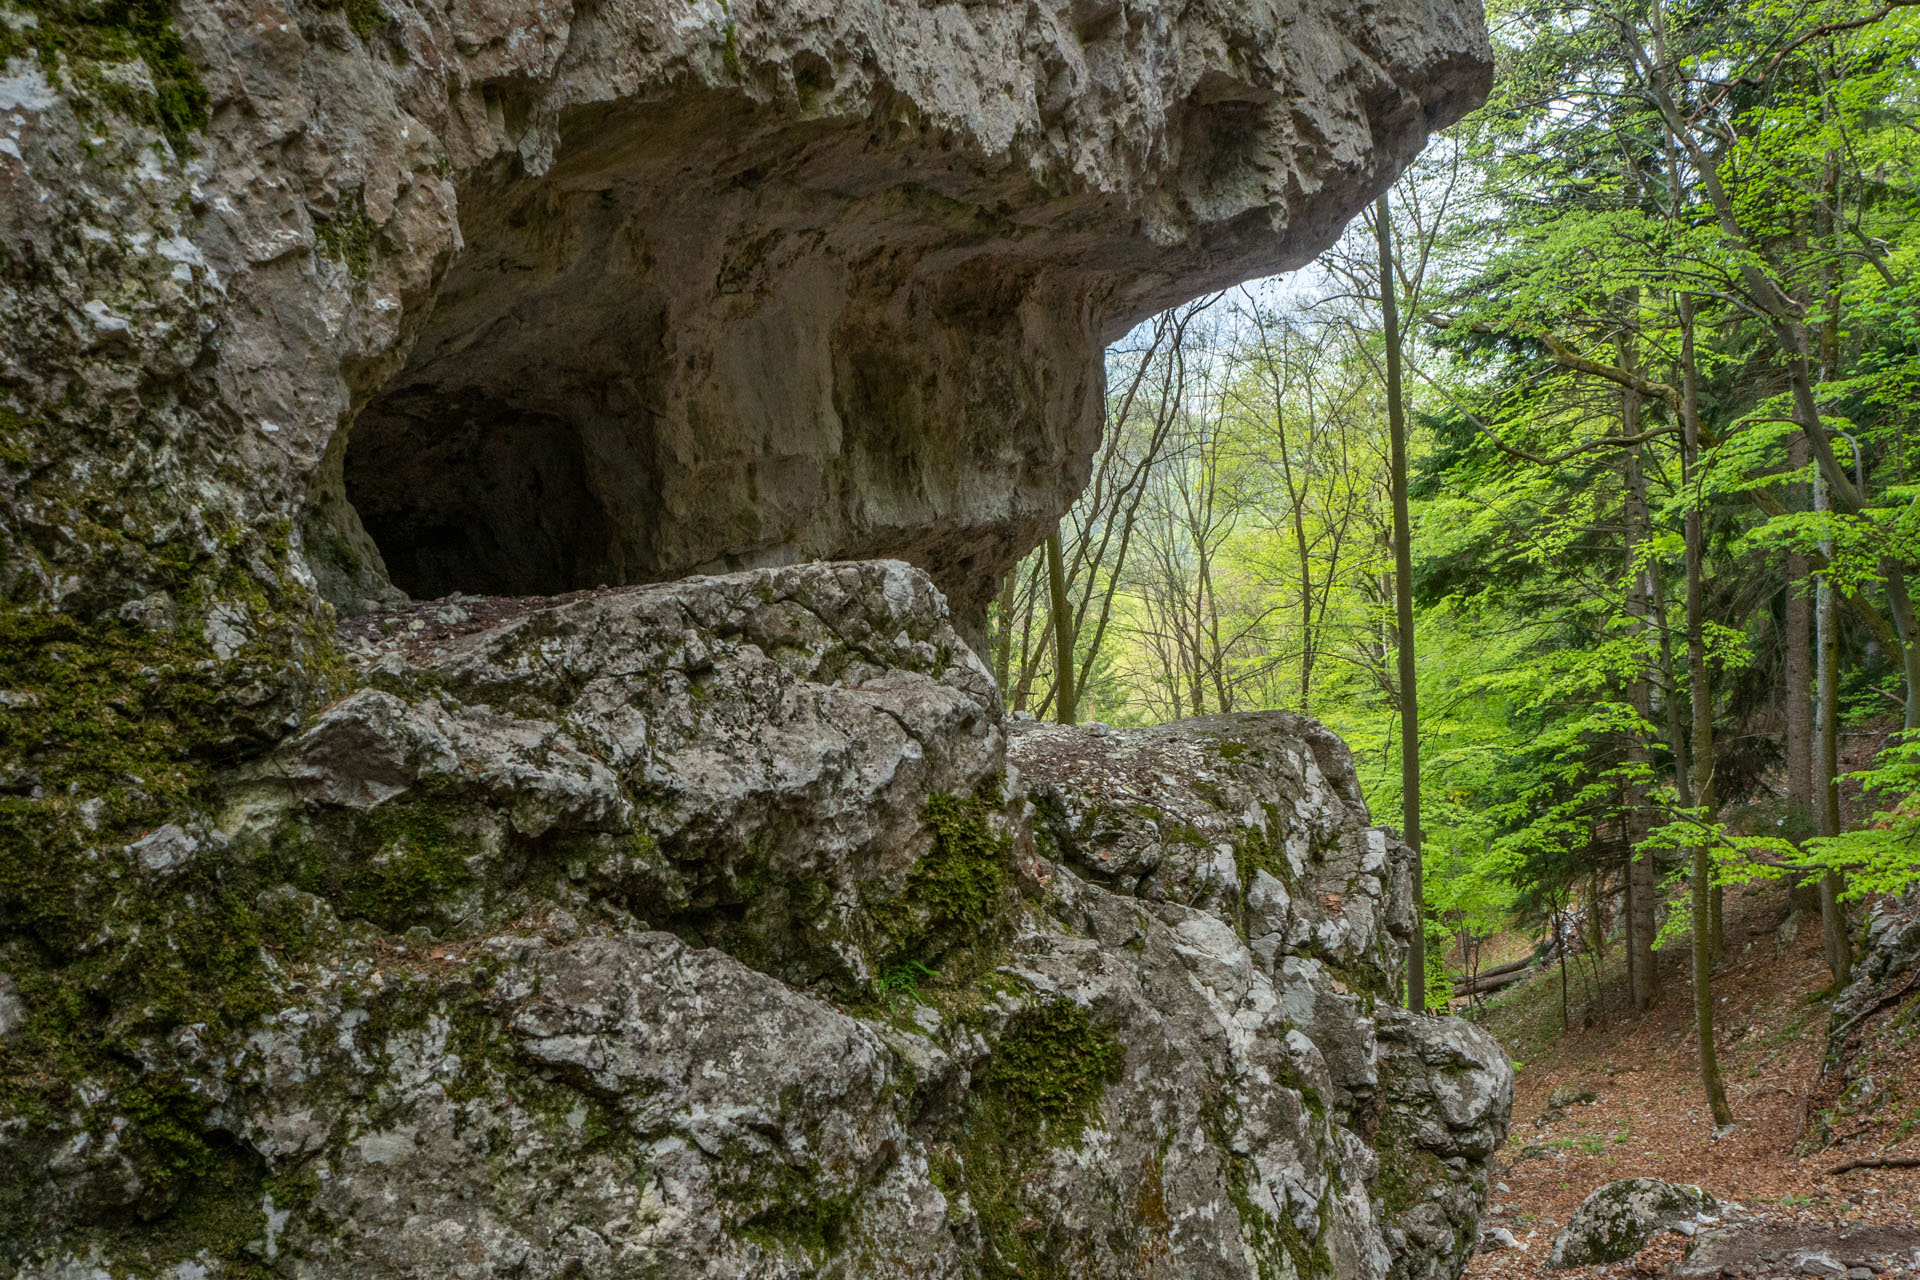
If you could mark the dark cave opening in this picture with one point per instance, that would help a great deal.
(466, 493)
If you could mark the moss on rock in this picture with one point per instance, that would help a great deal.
(1041, 1086)
(83, 41)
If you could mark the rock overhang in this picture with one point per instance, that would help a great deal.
(620, 294)
(548, 296)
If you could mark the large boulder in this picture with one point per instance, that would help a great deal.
(692, 930)
(1256, 820)
(1617, 1220)
(710, 930)
(546, 295)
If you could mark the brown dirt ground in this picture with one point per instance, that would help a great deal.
(1651, 1119)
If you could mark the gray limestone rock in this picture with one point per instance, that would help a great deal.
(1254, 823)
(711, 930)
(1617, 1220)
(528, 295)
(694, 929)
(1798, 1248)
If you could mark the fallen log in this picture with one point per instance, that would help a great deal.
(1486, 983)
(1876, 1162)
(1501, 970)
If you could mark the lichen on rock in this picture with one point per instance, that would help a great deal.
(1617, 1220)
(574, 939)
(700, 928)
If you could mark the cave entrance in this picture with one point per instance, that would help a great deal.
(688, 347)
(466, 493)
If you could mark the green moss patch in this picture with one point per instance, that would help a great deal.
(1040, 1087)
(346, 235)
(392, 865)
(85, 40)
(960, 884)
(365, 17)
(110, 731)
(1052, 1063)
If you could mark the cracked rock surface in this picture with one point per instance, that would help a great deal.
(528, 296)
(714, 929)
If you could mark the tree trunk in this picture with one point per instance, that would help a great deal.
(1642, 980)
(1799, 667)
(1064, 701)
(1560, 940)
(1630, 928)
(1646, 867)
(1403, 609)
(1702, 730)
(1833, 930)
(1003, 643)
(1826, 768)
(1717, 931)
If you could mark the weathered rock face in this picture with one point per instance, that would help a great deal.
(545, 296)
(1255, 825)
(712, 929)
(1867, 1050)
(1617, 1220)
(694, 930)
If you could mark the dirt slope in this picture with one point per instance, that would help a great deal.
(1648, 1117)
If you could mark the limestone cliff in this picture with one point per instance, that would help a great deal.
(712, 929)
(705, 928)
(545, 296)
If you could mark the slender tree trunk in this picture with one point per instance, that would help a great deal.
(1560, 938)
(1064, 701)
(1799, 666)
(1833, 930)
(1642, 976)
(1403, 608)
(1003, 643)
(1630, 923)
(1598, 959)
(1306, 615)
(1826, 767)
(1647, 867)
(1702, 729)
(1676, 718)
(1716, 914)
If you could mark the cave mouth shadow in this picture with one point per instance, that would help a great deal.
(465, 493)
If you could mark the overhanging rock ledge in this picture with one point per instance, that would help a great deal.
(519, 298)
(707, 928)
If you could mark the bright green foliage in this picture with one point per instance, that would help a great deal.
(1548, 243)
(1884, 856)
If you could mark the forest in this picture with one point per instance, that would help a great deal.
(1572, 487)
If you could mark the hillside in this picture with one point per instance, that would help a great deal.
(1647, 1118)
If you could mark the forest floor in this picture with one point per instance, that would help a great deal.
(1649, 1117)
